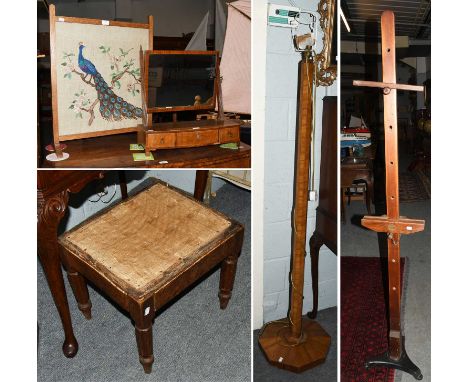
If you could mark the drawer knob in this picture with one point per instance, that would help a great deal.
(198, 135)
(162, 140)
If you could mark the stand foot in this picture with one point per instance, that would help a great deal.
(282, 351)
(404, 363)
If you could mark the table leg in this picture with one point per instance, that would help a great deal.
(315, 243)
(200, 184)
(123, 184)
(50, 212)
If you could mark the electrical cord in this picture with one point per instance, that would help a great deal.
(100, 195)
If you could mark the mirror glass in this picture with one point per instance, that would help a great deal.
(181, 80)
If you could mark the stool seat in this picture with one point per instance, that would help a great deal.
(144, 251)
(141, 242)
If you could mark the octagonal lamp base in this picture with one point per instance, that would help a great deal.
(286, 353)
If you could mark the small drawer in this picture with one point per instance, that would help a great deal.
(229, 134)
(161, 140)
(197, 138)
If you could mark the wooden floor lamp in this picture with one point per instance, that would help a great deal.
(296, 343)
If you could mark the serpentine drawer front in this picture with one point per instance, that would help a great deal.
(162, 140)
(197, 138)
(185, 134)
(230, 134)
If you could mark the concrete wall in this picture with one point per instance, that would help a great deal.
(82, 205)
(171, 18)
(280, 127)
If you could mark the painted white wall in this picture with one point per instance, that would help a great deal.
(280, 127)
(171, 18)
(82, 207)
(259, 36)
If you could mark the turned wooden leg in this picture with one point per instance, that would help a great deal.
(143, 315)
(80, 290)
(201, 179)
(315, 243)
(123, 184)
(226, 281)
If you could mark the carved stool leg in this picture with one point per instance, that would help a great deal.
(80, 290)
(143, 316)
(226, 281)
(315, 243)
(50, 212)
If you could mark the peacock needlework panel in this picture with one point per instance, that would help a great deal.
(98, 77)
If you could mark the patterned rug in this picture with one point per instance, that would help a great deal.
(363, 319)
(414, 186)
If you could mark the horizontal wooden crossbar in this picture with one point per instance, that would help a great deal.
(401, 225)
(383, 85)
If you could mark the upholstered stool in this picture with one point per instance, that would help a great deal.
(147, 249)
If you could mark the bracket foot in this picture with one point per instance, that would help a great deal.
(404, 363)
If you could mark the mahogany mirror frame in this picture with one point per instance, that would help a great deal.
(207, 106)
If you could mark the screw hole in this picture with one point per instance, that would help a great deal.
(388, 50)
(391, 162)
(391, 127)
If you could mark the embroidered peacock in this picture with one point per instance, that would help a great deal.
(111, 106)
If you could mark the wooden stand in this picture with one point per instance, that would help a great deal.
(392, 223)
(294, 343)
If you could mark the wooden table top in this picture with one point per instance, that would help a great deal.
(113, 152)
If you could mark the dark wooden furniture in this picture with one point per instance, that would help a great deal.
(113, 152)
(146, 250)
(53, 189)
(356, 171)
(172, 135)
(325, 229)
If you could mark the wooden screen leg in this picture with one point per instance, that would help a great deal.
(200, 184)
(123, 184)
(315, 244)
(80, 290)
(226, 281)
(143, 315)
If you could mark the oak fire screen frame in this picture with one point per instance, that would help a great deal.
(205, 106)
(64, 67)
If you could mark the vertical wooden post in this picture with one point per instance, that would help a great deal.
(149, 118)
(53, 80)
(301, 191)
(391, 177)
(295, 343)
